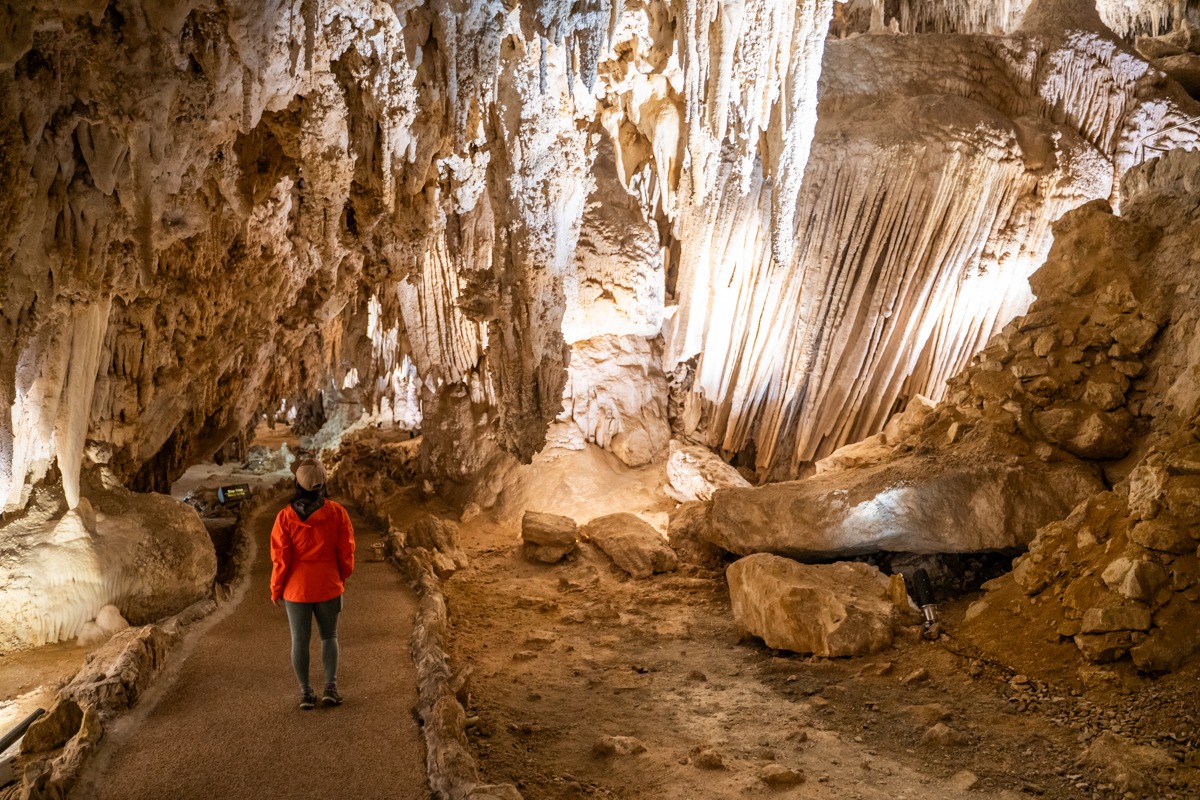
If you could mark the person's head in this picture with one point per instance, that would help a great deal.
(311, 476)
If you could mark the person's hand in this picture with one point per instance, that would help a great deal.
(275, 602)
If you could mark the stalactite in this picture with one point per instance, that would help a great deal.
(310, 11)
(247, 99)
(86, 340)
(1124, 17)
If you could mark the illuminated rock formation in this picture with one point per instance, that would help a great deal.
(901, 273)
(1098, 378)
(427, 207)
(147, 554)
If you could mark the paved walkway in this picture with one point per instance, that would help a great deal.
(228, 726)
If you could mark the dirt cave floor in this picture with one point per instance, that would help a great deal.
(565, 657)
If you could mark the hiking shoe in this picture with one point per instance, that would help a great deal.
(331, 696)
(307, 698)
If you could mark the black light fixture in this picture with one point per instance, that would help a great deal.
(923, 593)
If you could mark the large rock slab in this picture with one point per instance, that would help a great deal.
(913, 504)
(547, 538)
(839, 609)
(696, 472)
(632, 544)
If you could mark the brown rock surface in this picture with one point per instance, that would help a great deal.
(632, 544)
(911, 504)
(828, 610)
(547, 537)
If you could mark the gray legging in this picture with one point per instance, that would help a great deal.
(300, 616)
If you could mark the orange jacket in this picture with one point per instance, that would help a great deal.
(311, 559)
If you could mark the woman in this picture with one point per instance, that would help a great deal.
(312, 555)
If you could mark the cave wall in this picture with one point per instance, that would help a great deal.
(217, 206)
(938, 165)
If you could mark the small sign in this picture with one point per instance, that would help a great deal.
(232, 495)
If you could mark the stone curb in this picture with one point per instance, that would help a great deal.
(450, 764)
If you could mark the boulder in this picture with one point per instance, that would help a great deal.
(52, 730)
(696, 472)
(909, 421)
(1136, 334)
(1147, 487)
(1117, 618)
(942, 735)
(632, 544)
(1103, 648)
(1134, 578)
(871, 450)
(547, 538)
(685, 532)
(1183, 68)
(617, 746)
(173, 566)
(777, 776)
(1174, 638)
(838, 609)
(912, 504)
(1164, 535)
(1183, 498)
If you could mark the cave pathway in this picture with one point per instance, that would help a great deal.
(228, 724)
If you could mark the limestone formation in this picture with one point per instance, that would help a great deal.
(1002, 16)
(685, 532)
(425, 210)
(838, 609)
(906, 271)
(615, 396)
(696, 472)
(440, 536)
(632, 544)
(547, 537)
(147, 554)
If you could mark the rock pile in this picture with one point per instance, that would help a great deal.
(1119, 576)
(1177, 54)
